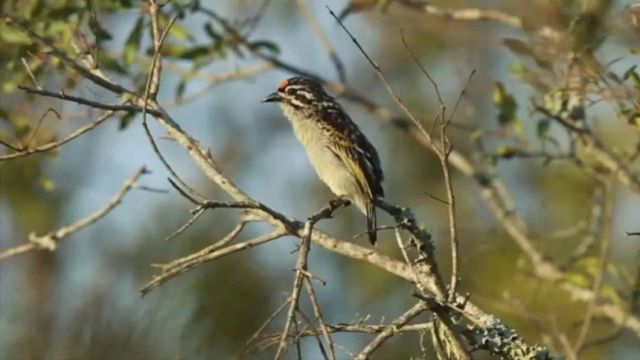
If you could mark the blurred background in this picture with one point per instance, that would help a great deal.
(82, 301)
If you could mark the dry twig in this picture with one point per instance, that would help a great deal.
(50, 240)
(301, 265)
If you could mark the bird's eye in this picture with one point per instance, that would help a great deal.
(291, 91)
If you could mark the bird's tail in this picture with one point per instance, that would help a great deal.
(371, 222)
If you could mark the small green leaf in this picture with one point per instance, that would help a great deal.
(64, 12)
(111, 63)
(586, 31)
(46, 184)
(632, 116)
(610, 293)
(13, 36)
(543, 129)
(36, 9)
(132, 45)
(177, 31)
(96, 28)
(195, 52)
(505, 103)
(213, 34)
(182, 85)
(517, 46)
(508, 152)
(577, 279)
(632, 74)
(126, 120)
(477, 135)
(21, 126)
(9, 86)
(268, 45)
(181, 52)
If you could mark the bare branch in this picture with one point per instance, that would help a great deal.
(392, 329)
(180, 266)
(475, 14)
(50, 240)
(301, 265)
(262, 327)
(55, 144)
(79, 100)
(319, 318)
(605, 249)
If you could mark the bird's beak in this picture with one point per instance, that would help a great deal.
(273, 97)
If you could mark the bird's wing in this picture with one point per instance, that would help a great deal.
(351, 146)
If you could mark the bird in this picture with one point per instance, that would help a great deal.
(342, 156)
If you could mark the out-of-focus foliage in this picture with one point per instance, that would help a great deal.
(82, 301)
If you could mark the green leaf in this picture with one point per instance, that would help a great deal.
(610, 293)
(96, 28)
(21, 125)
(177, 31)
(36, 9)
(577, 279)
(126, 120)
(9, 86)
(517, 46)
(181, 52)
(506, 105)
(543, 129)
(182, 85)
(631, 73)
(522, 48)
(586, 31)
(508, 152)
(132, 45)
(13, 36)
(213, 34)
(268, 45)
(46, 184)
(111, 63)
(64, 12)
(632, 116)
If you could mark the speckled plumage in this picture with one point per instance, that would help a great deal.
(339, 152)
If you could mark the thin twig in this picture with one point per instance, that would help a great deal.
(324, 41)
(152, 85)
(55, 144)
(317, 335)
(196, 215)
(178, 267)
(382, 78)
(31, 75)
(79, 100)
(301, 266)
(605, 249)
(392, 329)
(476, 14)
(50, 240)
(262, 327)
(594, 228)
(319, 318)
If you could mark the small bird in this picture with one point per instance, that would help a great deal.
(339, 152)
